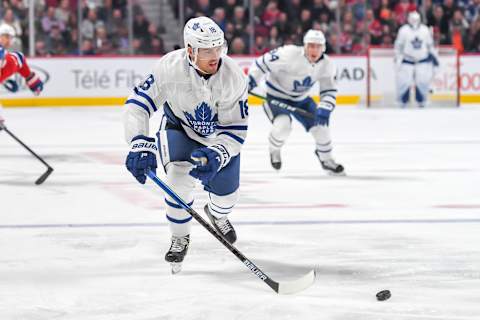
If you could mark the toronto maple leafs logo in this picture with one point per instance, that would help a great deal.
(196, 26)
(416, 43)
(203, 122)
(303, 86)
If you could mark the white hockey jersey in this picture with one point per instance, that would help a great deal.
(289, 74)
(211, 111)
(414, 44)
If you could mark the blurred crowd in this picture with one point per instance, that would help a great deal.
(103, 29)
(349, 25)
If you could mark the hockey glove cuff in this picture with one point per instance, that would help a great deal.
(322, 114)
(34, 83)
(208, 161)
(142, 156)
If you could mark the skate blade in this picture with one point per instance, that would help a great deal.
(176, 267)
(335, 174)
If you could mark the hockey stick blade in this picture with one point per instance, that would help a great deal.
(300, 284)
(288, 287)
(44, 176)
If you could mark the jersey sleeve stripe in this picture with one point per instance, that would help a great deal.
(233, 136)
(232, 127)
(138, 103)
(259, 67)
(146, 97)
(263, 60)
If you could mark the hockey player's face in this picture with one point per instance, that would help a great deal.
(208, 59)
(313, 51)
(5, 41)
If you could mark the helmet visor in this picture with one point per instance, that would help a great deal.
(211, 53)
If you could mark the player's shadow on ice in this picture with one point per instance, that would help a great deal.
(351, 177)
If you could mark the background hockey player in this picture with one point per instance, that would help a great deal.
(290, 73)
(14, 62)
(204, 97)
(416, 59)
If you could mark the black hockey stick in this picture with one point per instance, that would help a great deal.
(289, 287)
(286, 106)
(44, 176)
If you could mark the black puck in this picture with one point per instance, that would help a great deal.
(383, 295)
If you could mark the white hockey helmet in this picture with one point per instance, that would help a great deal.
(414, 19)
(203, 33)
(315, 36)
(6, 29)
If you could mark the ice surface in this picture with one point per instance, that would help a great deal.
(89, 243)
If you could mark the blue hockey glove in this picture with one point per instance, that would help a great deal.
(34, 83)
(142, 156)
(322, 115)
(11, 85)
(252, 84)
(2, 52)
(208, 161)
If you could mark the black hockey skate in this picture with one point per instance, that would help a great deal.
(176, 253)
(275, 159)
(223, 226)
(331, 166)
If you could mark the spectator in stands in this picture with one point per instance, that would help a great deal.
(402, 9)
(55, 41)
(49, 20)
(138, 46)
(271, 14)
(140, 26)
(203, 8)
(472, 10)
(305, 20)
(156, 46)
(41, 49)
(219, 17)
(87, 47)
(90, 24)
(62, 13)
(474, 36)
(121, 40)
(374, 28)
(449, 8)
(294, 8)
(440, 24)
(103, 45)
(346, 39)
(115, 22)
(229, 8)
(358, 10)
(260, 47)
(238, 46)
(10, 19)
(239, 20)
(274, 39)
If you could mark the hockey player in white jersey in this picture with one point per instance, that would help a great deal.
(290, 72)
(416, 58)
(203, 94)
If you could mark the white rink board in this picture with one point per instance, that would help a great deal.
(114, 77)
